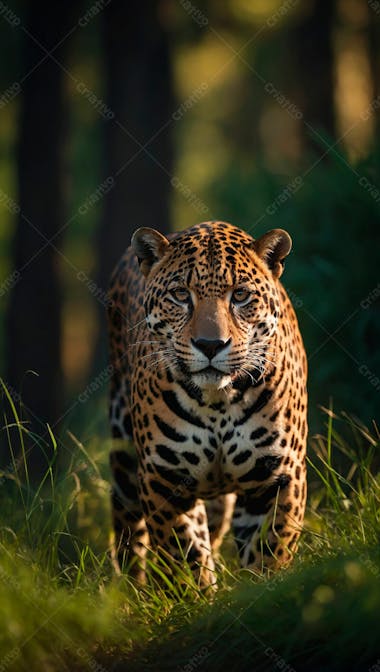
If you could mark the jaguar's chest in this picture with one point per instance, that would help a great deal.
(206, 448)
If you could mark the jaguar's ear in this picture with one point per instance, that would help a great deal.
(149, 246)
(273, 247)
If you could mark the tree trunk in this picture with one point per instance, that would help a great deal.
(374, 59)
(140, 96)
(314, 69)
(34, 315)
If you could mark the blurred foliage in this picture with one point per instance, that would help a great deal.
(237, 150)
(332, 273)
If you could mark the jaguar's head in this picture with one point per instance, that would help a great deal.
(211, 299)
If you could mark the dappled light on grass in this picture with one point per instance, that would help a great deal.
(346, 496)
(63, 607)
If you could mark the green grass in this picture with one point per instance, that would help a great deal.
(62, 607)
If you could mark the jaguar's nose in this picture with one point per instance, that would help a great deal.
(210, 348)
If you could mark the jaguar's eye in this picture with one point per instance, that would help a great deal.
(180, 294)
(241, 296)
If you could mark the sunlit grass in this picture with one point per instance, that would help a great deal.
(64, 607)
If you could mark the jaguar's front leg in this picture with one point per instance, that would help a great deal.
(131, 534)
(219, 514)
(177, 525)
(267, 523)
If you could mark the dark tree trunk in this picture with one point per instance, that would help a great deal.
(311, 41)
(374, 59)
(140, 96)
(34, 315)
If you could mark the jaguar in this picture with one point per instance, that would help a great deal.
(208, 400)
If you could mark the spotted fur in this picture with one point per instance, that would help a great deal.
(208, 399)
